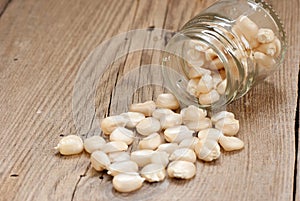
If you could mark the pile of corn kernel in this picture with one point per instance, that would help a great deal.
(169, 143)
(206, 73)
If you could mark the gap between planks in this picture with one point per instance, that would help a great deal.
(295, 195)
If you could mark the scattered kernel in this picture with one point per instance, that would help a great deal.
(70, 145)
(154, 158)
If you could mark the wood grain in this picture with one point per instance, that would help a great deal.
(44, 43)
(292, 63)
(3, 5)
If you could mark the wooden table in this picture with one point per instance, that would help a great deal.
(42, 47)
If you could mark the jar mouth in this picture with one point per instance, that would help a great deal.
(234, 50)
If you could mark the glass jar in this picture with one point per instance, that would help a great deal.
(220, 54)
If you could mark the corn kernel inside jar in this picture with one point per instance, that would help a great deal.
(223, 52)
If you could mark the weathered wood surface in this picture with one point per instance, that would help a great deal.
(42, 46)
(3, 5)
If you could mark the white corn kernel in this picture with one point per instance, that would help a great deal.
(221, 115)
(267, 48)
(228, 126)
(153, 172)
(160, 112)
(265, 35)
(210, 55)
(199, 125)
(278, 46)
(231, 143)
(99, 160)
(217, 79)
(192, 87)
(205, 84)
(208, 151)
(197, 72)
(253, 43)
(70, 145)
(209, 98)
(192, 113)
(126, 183)
(207, 148)
(93, 143)
(216, 64)
(142, 157)
(248, 28)
(198, 45)
(170, 120)
(148, 126)
(168, 101)
(189, 143)
(109, 124)
(181, 169)
(222, 73)
(150, 142)
(168, 147)
(118, 156)
(114, 146)
(209, 134)
(264, 60)
(195, 57)
(183, 154)
(221, 88)
(122, 134)
(160, 157)
(122, 167)
(145, 108)
(133, 118)
(249, 41)
(177, 134)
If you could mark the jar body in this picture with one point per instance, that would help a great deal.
(222, 52)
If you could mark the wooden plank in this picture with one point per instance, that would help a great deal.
(42, 46)
(41, 53)
(294, 62)
(270, 107)
(292, 66)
